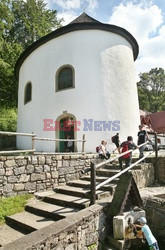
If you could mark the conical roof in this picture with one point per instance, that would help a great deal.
(82, 22)
(84, 18)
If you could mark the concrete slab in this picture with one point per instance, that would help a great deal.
(8, 234)
(28, 221)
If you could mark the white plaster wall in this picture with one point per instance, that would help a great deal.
(105, 88)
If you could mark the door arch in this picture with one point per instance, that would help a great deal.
(65, 125)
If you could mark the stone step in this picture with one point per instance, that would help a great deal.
(64, 200)
(28, 222)
(87, 184)
(106, 172)
(81, 192)
(8, 234)
(98, 179)
(48, 210)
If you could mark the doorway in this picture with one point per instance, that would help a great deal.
(66, 131)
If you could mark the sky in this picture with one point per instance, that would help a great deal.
(144, 19)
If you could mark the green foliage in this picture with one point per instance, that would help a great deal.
(12, 205)
(8, 119)
(92, 247)
(151, 90)
(21, 24)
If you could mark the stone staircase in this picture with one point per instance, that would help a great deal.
(51, 206)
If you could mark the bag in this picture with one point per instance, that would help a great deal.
(124, 149)
(113, 139)
(97, 149)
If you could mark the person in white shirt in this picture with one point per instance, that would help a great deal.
(103, 152)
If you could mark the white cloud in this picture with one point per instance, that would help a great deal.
(144, 22)
(68, 4)
(68, 16)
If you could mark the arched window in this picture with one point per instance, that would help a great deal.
(65, 78)
(28, 93)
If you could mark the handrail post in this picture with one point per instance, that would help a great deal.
(83, 143)
(156, 155)
(93, 184)
(33, 141)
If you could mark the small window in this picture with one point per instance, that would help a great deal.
(28, 93)
(65, 78)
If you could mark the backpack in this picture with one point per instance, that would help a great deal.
(113, 139)
(97, 149)
(124, 149)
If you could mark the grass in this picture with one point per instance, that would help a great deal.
(12, 205)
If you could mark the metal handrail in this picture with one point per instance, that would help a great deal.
(122, 171)
(95, 187)
(112, 159)
(119, 155)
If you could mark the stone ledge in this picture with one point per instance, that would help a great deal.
(59, 229)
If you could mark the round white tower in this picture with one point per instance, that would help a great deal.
(82, 73)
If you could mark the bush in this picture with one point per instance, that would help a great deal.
(8, 119)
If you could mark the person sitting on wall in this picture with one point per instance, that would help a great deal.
(125, 146)
(147, 234)
(103, 152)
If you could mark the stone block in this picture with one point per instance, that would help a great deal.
(66, 170)
(119, 227)
(66, 157)
(29, 186)
(21, 162)
(54, 174)
(12, 179)
(38, 169)
(41, 160)
(18, 187)
(30, 169)
(48, 175)
(59, 164)
(48, 160)
(24, 178)
(9, 172)
(34, 160)
(10, 163)
(1, 164)
(58, 157)
(46, 168)
(41, 186)
(2, 158)
(65, 163)
(19, 170)
(8, 188)
(2, 171)
(37, 177)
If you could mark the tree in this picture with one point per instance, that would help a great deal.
(151, 90)
(21, 23)
(32, 20)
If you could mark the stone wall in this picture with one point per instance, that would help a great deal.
(22, 174)
(155, 213)
(144, 176)
(159, 169)
(83, 231)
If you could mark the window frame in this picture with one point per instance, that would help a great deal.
(25, 92)
(57, 77)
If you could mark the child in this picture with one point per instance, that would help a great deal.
(147, 234)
